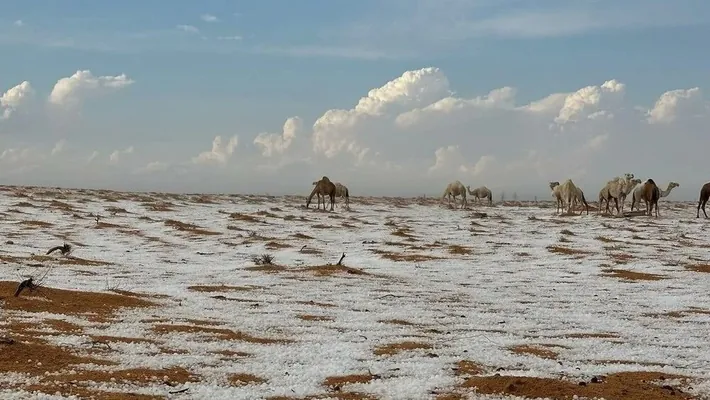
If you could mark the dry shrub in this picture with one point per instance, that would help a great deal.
(621, 258)
(630, 275)
(116, 210)
(263, 259)
(273, 245)
(159, 207)
(218, 333)
(567, 232)
(321, 226)
(301, 236)
(103, 225)
(606, 239)
(397, 322)
(190, 228)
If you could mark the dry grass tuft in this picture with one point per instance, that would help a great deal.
(219, 333)
(404, 257)
(244, 217)
(461, 250)
(301, 236)
(606, 239)
(534, 350)
(567, 232)
(36, 224)
(327, 270)
(340, 381)
(467, 367)
(603, 335)
(159, 207)
(395, 348)
(397, 322)
(274, 245)
(190, 228)
(631, 275)
(309, 317)
(566, 250)
(221, 288)
(244, 379)
(621, 258)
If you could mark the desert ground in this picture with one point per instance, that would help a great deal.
(167, 296)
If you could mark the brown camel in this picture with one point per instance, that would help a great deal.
(704, 196)
(650, 195)
(323, 187)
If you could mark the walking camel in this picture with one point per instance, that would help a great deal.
(636, 196)
(481, 193)
(323, 187)
(455, 188)
(567, 193)
(650, 195)
(704, 196)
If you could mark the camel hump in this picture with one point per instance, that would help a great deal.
(650, 181)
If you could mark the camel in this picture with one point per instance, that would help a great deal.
(557, 194)
(455, 188)
(323, 187)
(704, 196)
(568, 193)
(342, 191)
(650, 195)
(481, 193)
(636, 196)
(579, 199)
(617, 189)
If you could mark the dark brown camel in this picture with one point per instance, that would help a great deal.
(323, 187)
(704, 196)
(650, 195)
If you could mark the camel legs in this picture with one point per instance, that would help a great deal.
(701, 204)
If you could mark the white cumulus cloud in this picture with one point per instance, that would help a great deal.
(219, 154)
(71, 91)
(272, 144)
(15, 98)
(674, 102)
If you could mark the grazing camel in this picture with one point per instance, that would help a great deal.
(323, 187)
(557, 194)
(342, 191)
(579, 199)
(568, 192)
(617, 189)
(455, 188)
(704, 196)
(650, 195)
(636, 196)
(481, 193)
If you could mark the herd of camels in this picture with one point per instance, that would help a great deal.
(566, 194)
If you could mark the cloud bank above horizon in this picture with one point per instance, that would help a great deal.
(408, 136)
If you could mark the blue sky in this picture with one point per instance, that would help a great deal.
(197, 70)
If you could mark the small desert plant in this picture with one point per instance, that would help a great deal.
(263, 259)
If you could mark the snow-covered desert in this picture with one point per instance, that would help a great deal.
(243, 297)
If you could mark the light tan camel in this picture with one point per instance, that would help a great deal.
(568, 193)
(342, 191)
(455, 188)
(557, 195)
(579, 199)
(650, 195)
(481, 193)
(323, 187)
(636, 196)
(617, 189)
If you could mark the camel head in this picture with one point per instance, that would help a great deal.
(673, 185)
(628, 176)
(553, 184)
